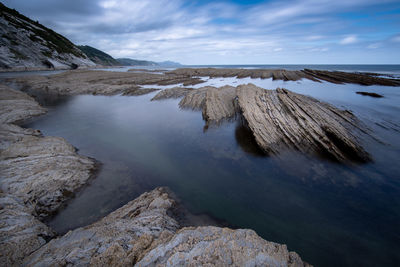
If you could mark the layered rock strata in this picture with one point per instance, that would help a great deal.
(281, 120)
(37, 175)
(175, 92)
(215, 246)
(136, 91)
(290, 75)
(98, 82)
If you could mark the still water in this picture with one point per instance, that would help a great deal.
(331, 214)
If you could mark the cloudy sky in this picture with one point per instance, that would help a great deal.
(229, 31)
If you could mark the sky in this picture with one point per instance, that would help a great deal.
(228, 31)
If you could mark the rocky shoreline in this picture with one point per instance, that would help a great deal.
(39, 174)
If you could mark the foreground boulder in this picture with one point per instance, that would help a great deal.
(116, 240)
(143, 233)
(215, 246)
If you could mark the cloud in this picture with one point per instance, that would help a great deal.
(349, 40)
(374, 46)
(396, 38)
(221, 31)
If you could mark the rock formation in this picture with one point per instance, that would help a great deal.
(26, 166)
(136, 91)
(280, 119)
(117, 239)
(142, 233)
(20, 232)
(175, 92)
(37, 175)
(16, 106)
(217, 104)
(97, 82)
(289, 75)
(214, 246)
(370, 94)
(26, 45)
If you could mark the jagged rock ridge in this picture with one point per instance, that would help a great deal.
(281, 120)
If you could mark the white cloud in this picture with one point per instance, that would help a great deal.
(215, 32)
(374, 46)
(351, 39)
(396, 39)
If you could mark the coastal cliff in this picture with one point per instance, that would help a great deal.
(28, 45)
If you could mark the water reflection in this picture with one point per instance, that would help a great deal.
(333, 215)
(245, 139)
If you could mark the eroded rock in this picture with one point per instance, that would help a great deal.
(98, 82)
(20, 232)
(16, 106)
(214, 246)
(116, 240)
(143, 233)
(43, 171)
(289, 75)
(175, 92)
(136, 91)
(217, 104)
(280, 119)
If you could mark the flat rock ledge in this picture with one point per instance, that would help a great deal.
(142, 233)
(37, 175)
(338, 77)
(98, 82)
